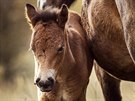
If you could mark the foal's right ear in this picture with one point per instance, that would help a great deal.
(63, 15)
(30, 13)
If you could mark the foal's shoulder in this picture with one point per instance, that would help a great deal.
(74, 16)
(74, 25)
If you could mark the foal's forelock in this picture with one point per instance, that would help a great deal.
(50, 36)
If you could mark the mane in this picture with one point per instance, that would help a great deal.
(46, 15)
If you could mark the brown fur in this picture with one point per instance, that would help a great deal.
(109, 84)
(72, 66)
(107, 39)
(126, 10)
(105, 31)
(110, 28)
(104, 27)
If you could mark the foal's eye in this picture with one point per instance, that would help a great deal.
(60, 49)
(43, 50)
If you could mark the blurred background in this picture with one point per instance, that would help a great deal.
(17, 63)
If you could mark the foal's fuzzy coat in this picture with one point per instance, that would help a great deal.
(61, 53)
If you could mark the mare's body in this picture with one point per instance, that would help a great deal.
(107, 39)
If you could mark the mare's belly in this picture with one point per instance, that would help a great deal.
(114, 60)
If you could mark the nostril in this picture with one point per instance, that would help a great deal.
(51, 80)
(37, 80)
(41, 84)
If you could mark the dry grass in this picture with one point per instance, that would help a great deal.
(24, 90)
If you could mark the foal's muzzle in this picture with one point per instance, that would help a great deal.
(45, 86)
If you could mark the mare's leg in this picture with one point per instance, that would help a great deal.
(110, 86)
(126, 10)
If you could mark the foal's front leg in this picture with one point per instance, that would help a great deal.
(110, 85)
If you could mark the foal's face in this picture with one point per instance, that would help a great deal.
(47, 44)
(48, 48)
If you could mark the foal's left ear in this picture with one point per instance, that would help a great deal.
(63, 16)
(30, 12)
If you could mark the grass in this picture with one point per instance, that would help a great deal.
(24, 90)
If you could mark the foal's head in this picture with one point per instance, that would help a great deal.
(47, 43)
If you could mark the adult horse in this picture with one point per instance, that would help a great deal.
(59, 45)
(110, 28)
